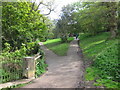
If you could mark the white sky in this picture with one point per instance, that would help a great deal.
(58, 4)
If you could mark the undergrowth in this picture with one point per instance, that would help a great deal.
(104, 55)
(12, 62)
(40, 67)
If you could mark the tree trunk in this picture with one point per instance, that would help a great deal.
(113, 19)
(113, 33)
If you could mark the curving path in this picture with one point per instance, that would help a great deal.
(63, 71)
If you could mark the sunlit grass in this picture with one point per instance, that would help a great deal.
(52, 41)
(94, 43)
(60, 49)
(104, 55)
(57, 46)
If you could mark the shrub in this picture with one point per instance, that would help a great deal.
(64, 39)
(12, 62)
(32, 48)
(40, 67)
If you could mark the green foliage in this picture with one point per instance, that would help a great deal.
(40, 67)
(64, 39)
(92, 23)
(32, 48)
(92, 45)
(107, 83)
(89, 17)
(118, 16)
(91, 73)
(12, 62)
(21, 24)
(21, 27)
(17, 54)
(63, 25)
(104, 53)
(107, 61)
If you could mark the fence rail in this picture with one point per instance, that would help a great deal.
(11, 70)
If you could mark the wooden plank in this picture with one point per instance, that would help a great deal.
(37, 57)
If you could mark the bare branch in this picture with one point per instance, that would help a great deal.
(33, 6)
(38, 5)
(48, 6)
(50, 10)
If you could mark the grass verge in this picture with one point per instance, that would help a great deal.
(104, 55)
(57, 46)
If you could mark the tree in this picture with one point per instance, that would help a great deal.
(93, 18)
(65, 23)
(112, 18)
(89, 17)
(20, 24)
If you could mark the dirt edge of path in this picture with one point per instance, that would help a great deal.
(86, 63)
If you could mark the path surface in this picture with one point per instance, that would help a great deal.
(63, 71)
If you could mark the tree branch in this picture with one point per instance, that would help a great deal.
(50, 10)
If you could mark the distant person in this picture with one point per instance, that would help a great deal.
(77, 36)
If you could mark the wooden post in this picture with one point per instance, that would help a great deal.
(29, 67)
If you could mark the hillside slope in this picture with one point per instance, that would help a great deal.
(103, 54)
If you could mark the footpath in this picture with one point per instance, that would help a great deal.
(63, 71)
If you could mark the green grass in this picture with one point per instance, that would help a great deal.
(70, 39)
(104, 54)
(92, 45)
(57, 46)
(52, 41)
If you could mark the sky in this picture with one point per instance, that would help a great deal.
(58, 4)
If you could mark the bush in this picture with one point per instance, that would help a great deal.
(32, 48)
(40, 67)
(12, 62)
(64, 39)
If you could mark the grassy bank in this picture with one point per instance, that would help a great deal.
(57, 46)
(104, 55)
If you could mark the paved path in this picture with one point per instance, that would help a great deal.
(63, 71)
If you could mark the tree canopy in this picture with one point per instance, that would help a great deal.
(22, 24)
(89, 17)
